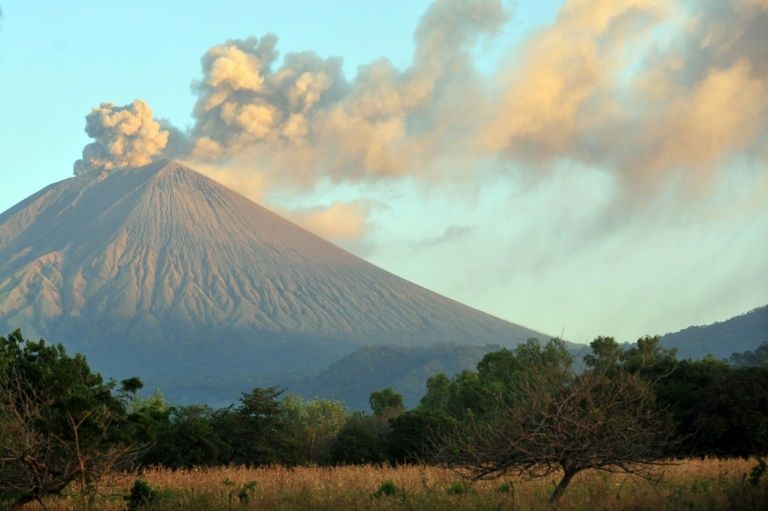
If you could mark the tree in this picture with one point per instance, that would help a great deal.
(386, 403)
(60, 423)
(315, 424)
(253, 430)
(543, 418)
(719, 409)
(188, 438)
(362, 439)
(646, 357)
(438, 394)
(413, 434)
(756, 358)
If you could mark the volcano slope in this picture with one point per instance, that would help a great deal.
(161, 272)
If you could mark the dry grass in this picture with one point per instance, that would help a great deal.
(687, 485)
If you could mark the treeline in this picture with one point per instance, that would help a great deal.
(60, 423)
(716, 408)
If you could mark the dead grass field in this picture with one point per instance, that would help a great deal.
(687, 485)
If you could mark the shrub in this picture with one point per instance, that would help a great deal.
(142, 494)
(387, 489)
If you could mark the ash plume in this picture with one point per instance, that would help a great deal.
(656, 93)
(124, 136)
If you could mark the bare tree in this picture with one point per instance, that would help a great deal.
(596, 420)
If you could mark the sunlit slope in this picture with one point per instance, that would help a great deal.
(160, 268)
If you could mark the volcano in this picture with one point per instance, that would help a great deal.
(161, 272)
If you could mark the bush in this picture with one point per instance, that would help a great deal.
(362, 440)
(460, 488)
(387, 489)
(142, 494)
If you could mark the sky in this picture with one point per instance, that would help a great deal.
(582, 168)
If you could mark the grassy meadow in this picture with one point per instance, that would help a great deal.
(709, 484)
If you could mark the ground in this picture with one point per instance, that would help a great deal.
(683, 485)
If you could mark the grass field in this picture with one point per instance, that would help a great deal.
(687, 485)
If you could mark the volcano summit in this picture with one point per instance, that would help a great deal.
(161, 272)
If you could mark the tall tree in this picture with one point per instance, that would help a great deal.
(60, 423)
(386, 403)
(315, 424)
(253, 430)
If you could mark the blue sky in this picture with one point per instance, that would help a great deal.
(61, 59)
(547, 224)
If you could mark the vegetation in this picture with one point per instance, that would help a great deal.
(404, 369)
(262, 429)
(532, 415)
(61, 424)
(738, 333)
(522, 414)
(705, 485)
(756, 358)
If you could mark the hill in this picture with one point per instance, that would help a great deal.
(161, 272)
(721, 339)
(405, 369)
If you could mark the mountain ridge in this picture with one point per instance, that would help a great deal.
(743, 332)
(162, 271)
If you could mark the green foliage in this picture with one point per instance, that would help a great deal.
(720, 410)
(261, 430)
(415, 436)
(606, 353)
(362, 440)
(438, 395)
(253, 430)
(757, 472)
(311, 427)
(354, 377)
(460, 488)
(386, 403)
(756, 358)
(142, 495)
(60, 422)
(187, 438)
(498, 378)
(388, 489)
(646, 357)
(131, 385)
(528, 412)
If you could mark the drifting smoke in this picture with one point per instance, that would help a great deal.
(303, 119)
(651, 91)
(342, 221)
(125, 136)
(674, 110)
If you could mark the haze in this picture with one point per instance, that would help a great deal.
(585, 168)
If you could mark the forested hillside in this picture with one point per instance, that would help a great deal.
(721, 339)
